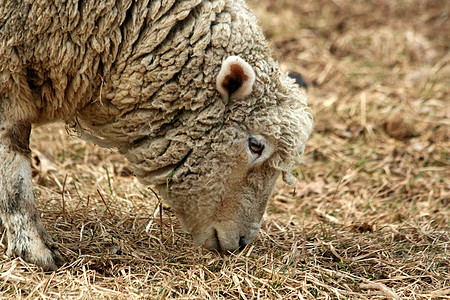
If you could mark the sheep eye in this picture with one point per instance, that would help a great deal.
(255, 146)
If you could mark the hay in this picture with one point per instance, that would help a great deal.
(369, 218)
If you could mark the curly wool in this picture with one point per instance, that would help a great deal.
(141, 76)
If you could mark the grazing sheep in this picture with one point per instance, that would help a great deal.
(187, 90)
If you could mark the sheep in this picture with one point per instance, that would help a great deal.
(188, 91)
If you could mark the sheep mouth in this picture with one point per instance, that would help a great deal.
(214, 244)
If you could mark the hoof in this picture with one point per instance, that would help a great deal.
(43, 254)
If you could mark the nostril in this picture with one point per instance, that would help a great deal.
(242, 243)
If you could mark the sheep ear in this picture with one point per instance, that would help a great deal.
(235, 79)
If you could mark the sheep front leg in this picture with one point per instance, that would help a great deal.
(25, 233)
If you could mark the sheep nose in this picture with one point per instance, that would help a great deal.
(242, 243)
(226, 238)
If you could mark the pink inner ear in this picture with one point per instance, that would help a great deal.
(237, 71)
(235, 79)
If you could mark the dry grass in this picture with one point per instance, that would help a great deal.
(369, 218)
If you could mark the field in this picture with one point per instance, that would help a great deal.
(368, 219)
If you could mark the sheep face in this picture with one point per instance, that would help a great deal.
(222, 206)
(221, 189)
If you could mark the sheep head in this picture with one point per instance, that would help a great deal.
(223, 179)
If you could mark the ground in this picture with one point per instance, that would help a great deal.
(368, 219)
